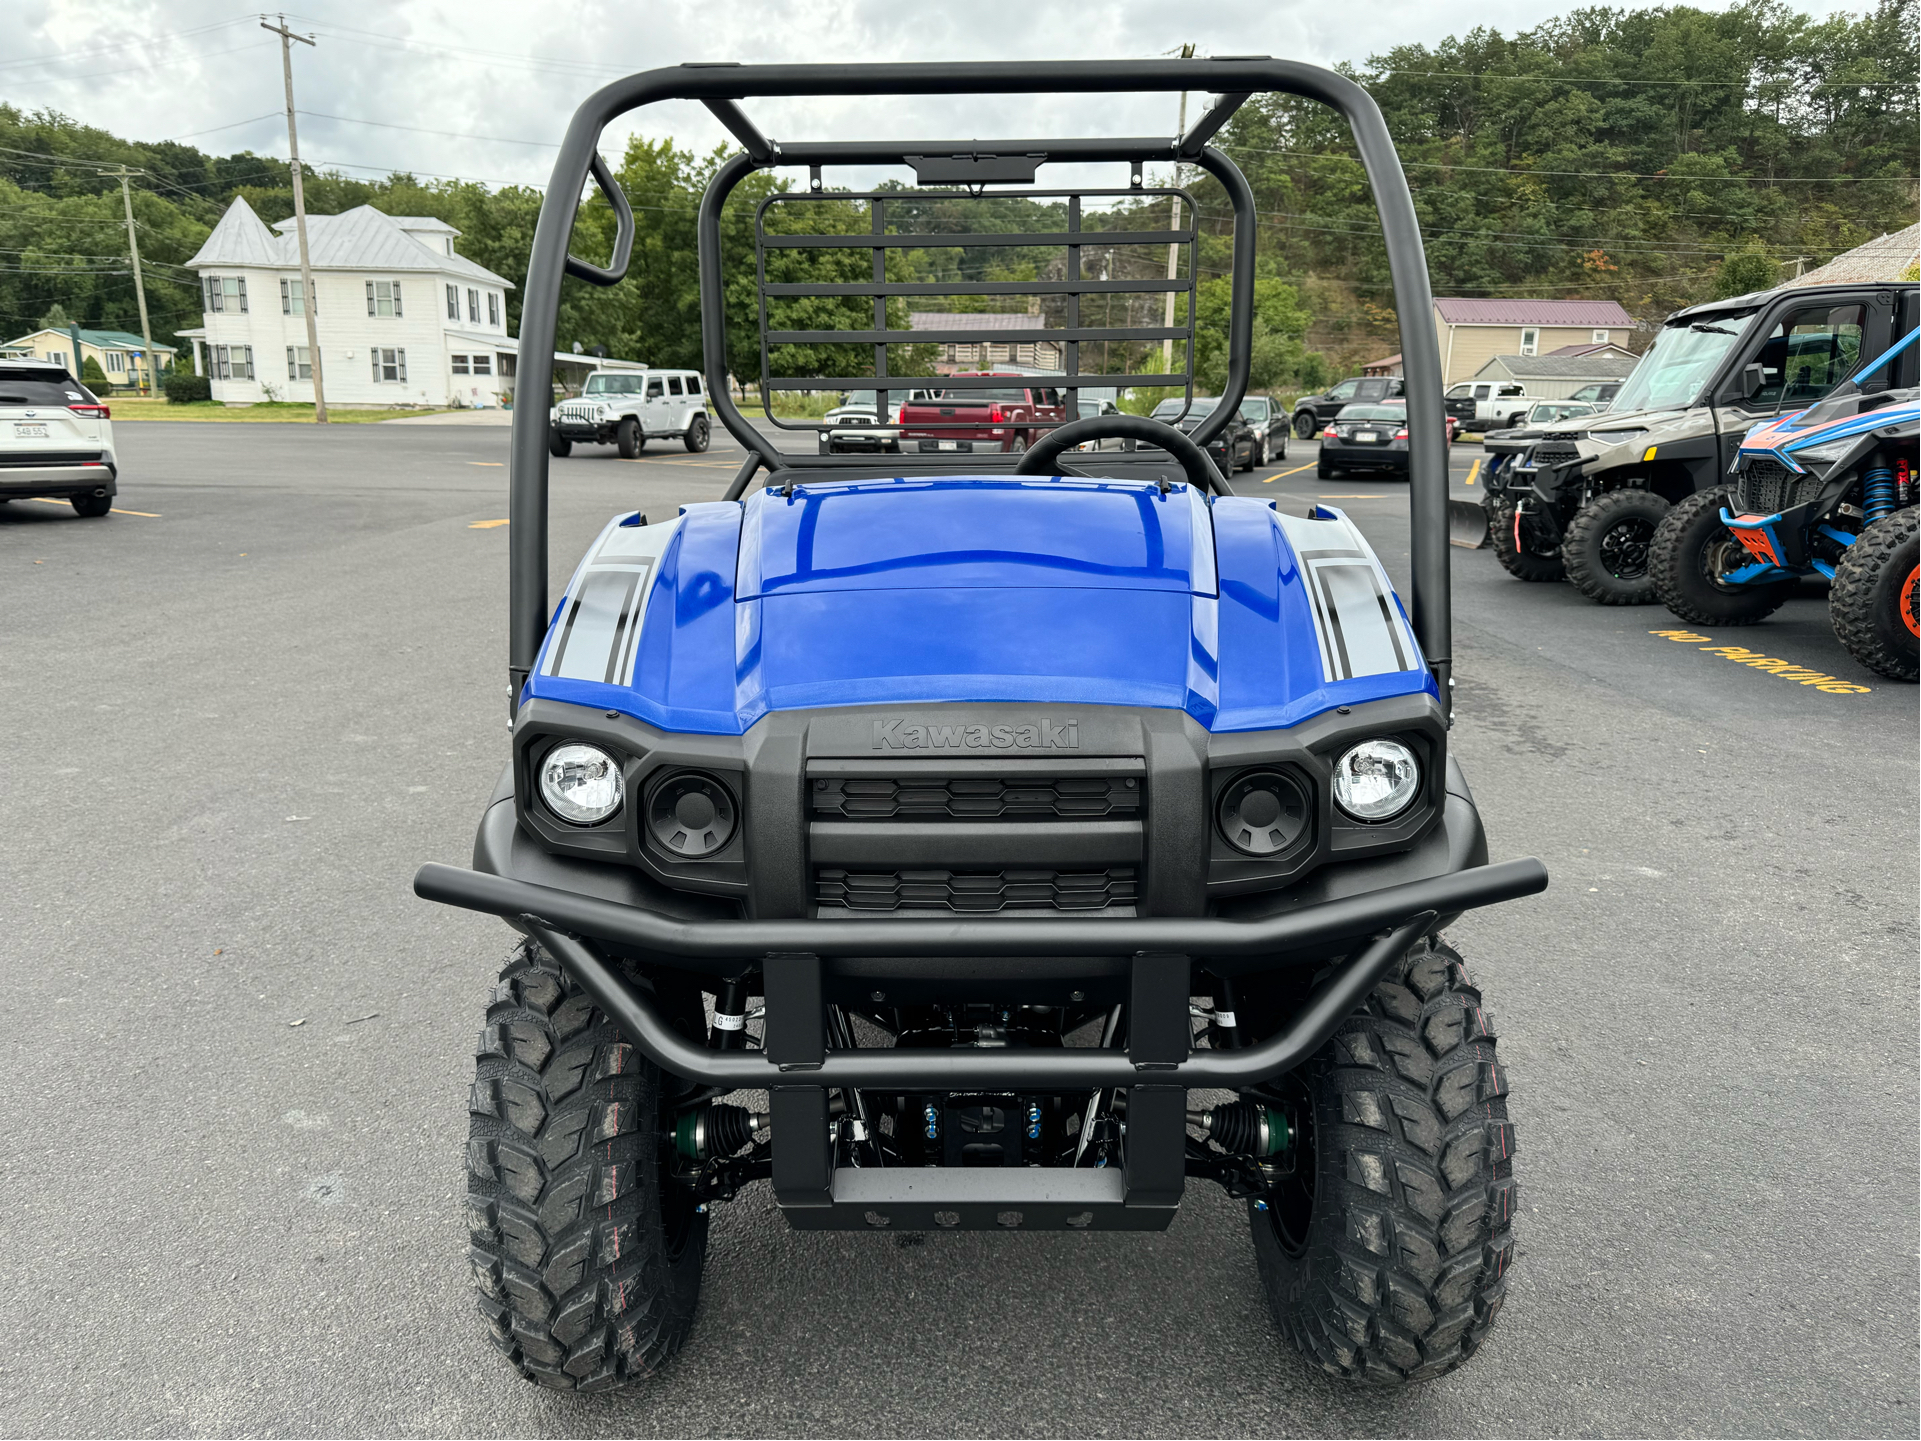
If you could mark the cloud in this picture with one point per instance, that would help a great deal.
(436, 73)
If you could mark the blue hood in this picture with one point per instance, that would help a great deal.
(979, 589)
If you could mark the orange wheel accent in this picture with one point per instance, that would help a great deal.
(1911, 602)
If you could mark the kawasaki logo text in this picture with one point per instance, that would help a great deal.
(898, 735)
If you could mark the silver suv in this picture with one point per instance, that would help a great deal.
(56, 438)
(627, 408)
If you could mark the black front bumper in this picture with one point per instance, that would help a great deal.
(1364, 457)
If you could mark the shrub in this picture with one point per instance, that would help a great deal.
(187, 389)
(94, 378)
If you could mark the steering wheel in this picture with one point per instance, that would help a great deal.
(1194, 462)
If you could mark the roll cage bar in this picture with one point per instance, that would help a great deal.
(720, 86)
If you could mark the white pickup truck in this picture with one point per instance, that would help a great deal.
(627, 408)
(1488, 404)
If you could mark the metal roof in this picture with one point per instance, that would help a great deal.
(98, 339)
(359, 239)
(1887, 257)
(975, 320)
(1563, 367)
(1532, 312)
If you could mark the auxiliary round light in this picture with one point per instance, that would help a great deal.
(1376, 780)
(580, 783)
(692, 815)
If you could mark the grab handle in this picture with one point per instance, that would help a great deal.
(623, 234)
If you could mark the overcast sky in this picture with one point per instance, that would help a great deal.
(418, 83)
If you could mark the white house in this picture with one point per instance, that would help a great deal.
(401, 319)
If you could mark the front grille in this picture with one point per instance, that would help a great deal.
(588, 413)
(1764, 486)
(977, 798)
(1552, 453)
(976, 892)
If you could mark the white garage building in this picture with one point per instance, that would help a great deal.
(401, 318)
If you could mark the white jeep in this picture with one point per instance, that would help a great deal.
(627, 408)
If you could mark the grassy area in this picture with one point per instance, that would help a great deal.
(141, 407)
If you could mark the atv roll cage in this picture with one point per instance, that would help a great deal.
(976, 165)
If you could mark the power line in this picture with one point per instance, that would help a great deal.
(212, 129)
(59, 57)
(421, 130)
(120, 70)
(1591, 174)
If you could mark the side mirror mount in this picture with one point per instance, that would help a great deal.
(1753, 376)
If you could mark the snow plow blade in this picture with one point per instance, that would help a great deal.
(1466, 524)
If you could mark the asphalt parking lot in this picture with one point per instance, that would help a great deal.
(241, 712)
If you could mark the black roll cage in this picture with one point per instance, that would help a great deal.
(720, 86)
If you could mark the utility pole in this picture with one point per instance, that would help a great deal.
(1173, 246)
(287, 37)
(139, 286)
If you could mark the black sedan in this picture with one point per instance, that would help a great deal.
(1233, 449)
(1366, 437)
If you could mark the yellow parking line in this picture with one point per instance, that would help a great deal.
(486, 525)
(494, 463)
(1270, 479)
(1473, 470)
(49, 500)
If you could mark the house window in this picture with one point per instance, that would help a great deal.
(116, 362)
(383, 297)
(453, 302)
(473, 306)
(232, 362)
(226, 293)
(1599, 337)
(389, 364)
(299, 363)
(483, 365)
(293, 298)
(460, 364)
(493, 308)
(507, 366)
(1530, 341)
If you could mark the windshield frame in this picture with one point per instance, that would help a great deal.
(1685, 347)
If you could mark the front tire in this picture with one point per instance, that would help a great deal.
(1690, 550)
(1522, 553)
(1606, 547)
(586, 1256)
(628, 440)
(1874, 604)
(91, 506)
(1305, 425)
(1324, 471)
(699, 432)
(1387, 1259)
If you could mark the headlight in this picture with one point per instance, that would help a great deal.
(692, 815)
(580, 783)
(1376, 780)
(1825, 454)
(1614, 437)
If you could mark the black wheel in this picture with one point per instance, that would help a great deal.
(1523, 543)
(1515, 421)
(1385, 1255)
(1305, 424)
(1874, 603)
(628, 439)
(1249, 465)
(559, 445)
(1606, 547)
(1260, 455)
(92, 506)
(1018, 445)
(1690, 553)
(698, 434)
(587, 1256)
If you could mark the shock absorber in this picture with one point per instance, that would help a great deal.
(1878, 493)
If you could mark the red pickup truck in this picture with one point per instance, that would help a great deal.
(990, 419)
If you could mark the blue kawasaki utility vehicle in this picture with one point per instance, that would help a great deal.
(1026, 832)
(1828, 490)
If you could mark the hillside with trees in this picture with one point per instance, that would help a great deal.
(1655, 157)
